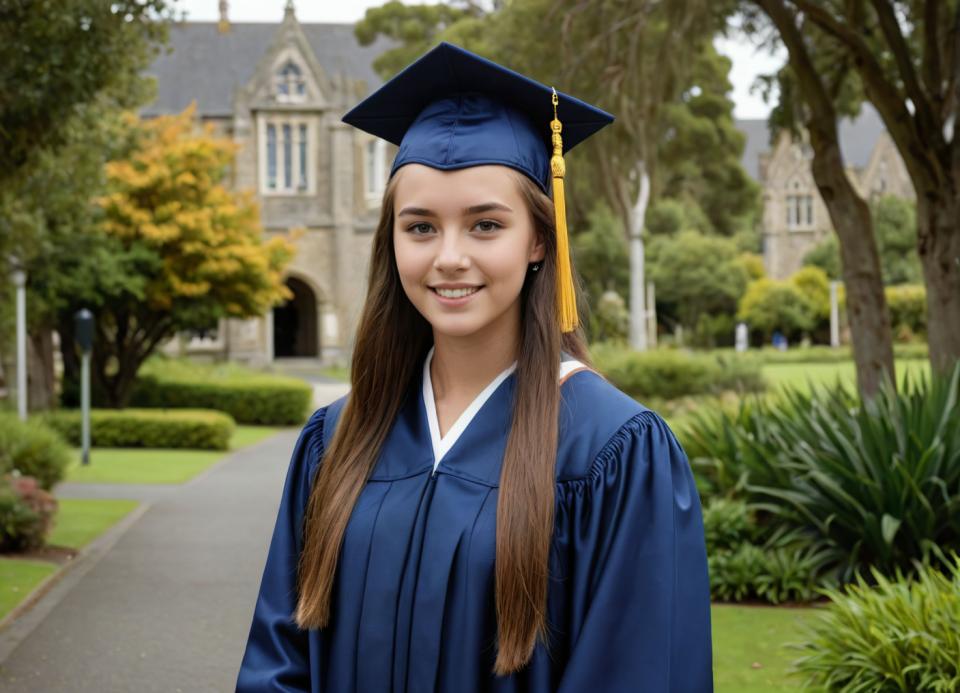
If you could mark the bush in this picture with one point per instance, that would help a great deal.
(773, 575)
(770, 305)
(250, 397)
(726, 524)
(147, 428)
(877, 483)
(26, 513)
(32, 449)
(899, 635)
(908, 309)
(669, 374)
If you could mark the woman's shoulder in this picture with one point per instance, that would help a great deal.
(594, 416)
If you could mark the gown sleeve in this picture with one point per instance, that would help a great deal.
(637, 573)
(276, 656)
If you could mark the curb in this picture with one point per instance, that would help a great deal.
(28, 614)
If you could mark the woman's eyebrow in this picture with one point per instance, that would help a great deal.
(476, 209)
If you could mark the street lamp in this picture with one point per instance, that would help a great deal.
(83, 328)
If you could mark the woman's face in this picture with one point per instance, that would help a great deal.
(463, 240)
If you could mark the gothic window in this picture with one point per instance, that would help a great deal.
(799, 211)
(272, 156)
(291, 86)
(286, 154)
(375, 168)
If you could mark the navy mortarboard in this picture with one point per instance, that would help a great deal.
(453, 109)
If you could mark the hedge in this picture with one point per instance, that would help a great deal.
(249, 396)
(147, 428)
(668, 373)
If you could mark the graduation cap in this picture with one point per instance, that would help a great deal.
(453, 109)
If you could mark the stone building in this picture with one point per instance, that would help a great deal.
(279, 90)
(795, 218)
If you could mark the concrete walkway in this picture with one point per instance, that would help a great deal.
(164, 601)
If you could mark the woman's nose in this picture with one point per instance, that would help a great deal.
(451, 255)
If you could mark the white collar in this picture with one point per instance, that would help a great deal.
(442, 445)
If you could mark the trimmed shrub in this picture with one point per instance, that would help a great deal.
(900, 635)
(250, 397)
(770, 305)
(823, 354)
(32, 449)
(26, 513)
(147, 428)
(668, 374)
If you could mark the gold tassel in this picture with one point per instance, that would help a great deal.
(566, 297)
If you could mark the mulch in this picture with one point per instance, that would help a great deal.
(53, 554)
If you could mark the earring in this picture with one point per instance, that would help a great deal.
(535, 267)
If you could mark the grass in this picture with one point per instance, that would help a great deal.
(749, 647)
(801, 375)
(80, 521)
(153, 466)
(18, 578)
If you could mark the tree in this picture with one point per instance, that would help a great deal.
(180, 250)
(817, 86)
(65, 67)
(906, 55)
(697, 275)
(58, 54)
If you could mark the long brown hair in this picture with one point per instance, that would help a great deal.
(392, 340)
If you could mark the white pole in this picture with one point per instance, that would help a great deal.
(834, 315)
(20, 280)
(651, 316)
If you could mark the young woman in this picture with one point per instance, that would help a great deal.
(482, 512)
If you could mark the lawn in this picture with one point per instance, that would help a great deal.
(156, 466)
(801, 375)
(17, 580)
(80, 521)
(749, 647)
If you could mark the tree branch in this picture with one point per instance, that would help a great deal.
(883, 94)
(931, 66)
(927, 122)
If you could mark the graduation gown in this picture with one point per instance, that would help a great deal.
(413, 598)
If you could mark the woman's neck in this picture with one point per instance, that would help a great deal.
(463, 366)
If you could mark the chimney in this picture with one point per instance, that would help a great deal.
(223, 26)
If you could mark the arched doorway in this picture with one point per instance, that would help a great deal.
(295, 332)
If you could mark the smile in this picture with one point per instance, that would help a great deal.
(456, 293)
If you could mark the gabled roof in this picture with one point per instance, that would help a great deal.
(209, 66)
(858, 137)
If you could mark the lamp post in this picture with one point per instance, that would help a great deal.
(20, 281)
(83, 328)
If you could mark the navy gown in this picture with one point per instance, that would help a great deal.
(413, 603)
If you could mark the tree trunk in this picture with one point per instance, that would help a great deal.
(40, 374)
(637, 214)
(938, 244)
(866, 303)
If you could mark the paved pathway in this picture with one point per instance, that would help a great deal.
(164, 601)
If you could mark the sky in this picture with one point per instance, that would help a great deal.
(748, 62)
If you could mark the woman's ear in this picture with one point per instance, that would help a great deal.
(539, 249)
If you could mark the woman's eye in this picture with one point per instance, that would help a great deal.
(487, 225)
(420, 229)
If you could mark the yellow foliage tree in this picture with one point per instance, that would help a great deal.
(193, 250)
